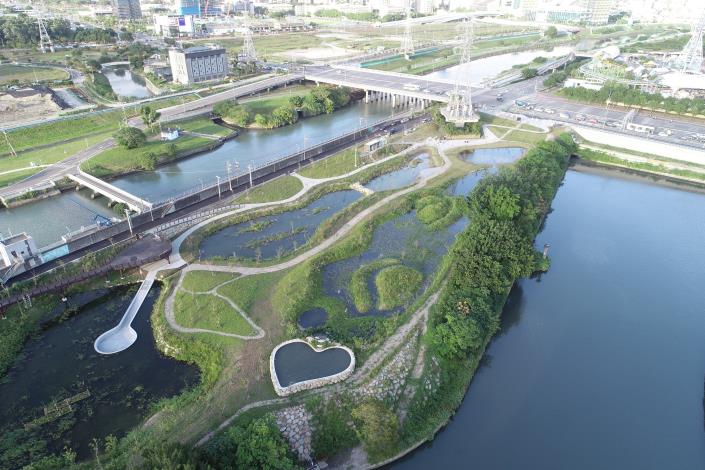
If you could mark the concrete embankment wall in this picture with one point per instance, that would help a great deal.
(642, 144)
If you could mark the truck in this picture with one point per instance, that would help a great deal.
(411, 87)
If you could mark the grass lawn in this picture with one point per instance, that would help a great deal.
(209, 312)
(60, 131)
(338, 164)
(526, 137)
(10, 178)
(203, 281)
(48, 155)
(281, 188)
(244, 292)
(104, 123)
(203, 126)
(119, 160)
(396, 285)
(24, 74)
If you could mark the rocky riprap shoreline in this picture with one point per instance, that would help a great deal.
(295, 425)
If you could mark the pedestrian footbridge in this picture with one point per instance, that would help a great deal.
(115, 194)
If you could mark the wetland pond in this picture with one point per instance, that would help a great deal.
(273, 235)
(60, 362)
(402, 177)
(404, 239)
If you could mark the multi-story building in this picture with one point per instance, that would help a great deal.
(198, 64)
(188, 7)
(127, 9)
(174, 26)
(661, 11)
(561, 11)
(599, 11)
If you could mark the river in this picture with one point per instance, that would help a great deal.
(482, 69)
(599, 362)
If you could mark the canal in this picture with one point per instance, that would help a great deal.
(48, 219)
(599, 362)
(125, 83)
(482, 69)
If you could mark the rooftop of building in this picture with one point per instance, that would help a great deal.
(15, 238)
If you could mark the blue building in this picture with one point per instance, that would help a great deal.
(188, 7)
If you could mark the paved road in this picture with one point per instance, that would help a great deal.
(675, 129)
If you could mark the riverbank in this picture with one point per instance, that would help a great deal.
(458, 341)
(198, 137)
(658, 169)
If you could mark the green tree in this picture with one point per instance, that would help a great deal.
(148, 161)
(149, 115)
(529, 72)
(130, 137)
(262, 446)
(551, 32)
(376, 426)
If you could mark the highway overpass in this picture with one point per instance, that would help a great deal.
(398, 86)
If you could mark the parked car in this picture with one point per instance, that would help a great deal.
(564, 115)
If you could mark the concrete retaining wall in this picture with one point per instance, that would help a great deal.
(313, 383)
(642, 144)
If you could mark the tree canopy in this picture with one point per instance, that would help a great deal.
(130, 137)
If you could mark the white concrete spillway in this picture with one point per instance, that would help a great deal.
(388, 83)
(123, 335)
(113, 193)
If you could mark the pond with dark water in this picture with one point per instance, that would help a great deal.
(60, 362)
(298, 362)
(313, 318)
(600, 362)
(271, 236)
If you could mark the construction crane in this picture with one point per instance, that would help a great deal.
(99, 219)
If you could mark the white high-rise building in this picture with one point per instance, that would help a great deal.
(661, 11)
(198, 64)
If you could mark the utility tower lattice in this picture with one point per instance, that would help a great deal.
(407, 42)
(691, 57)
(459, 108)
(248, 54)
(44, 39)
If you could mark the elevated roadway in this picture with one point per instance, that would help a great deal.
(390, 83)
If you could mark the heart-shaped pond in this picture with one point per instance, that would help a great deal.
(298, 362)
